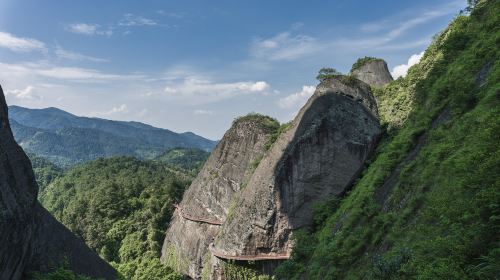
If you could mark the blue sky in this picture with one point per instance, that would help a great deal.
(196, 65)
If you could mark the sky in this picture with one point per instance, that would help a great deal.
(196, 65)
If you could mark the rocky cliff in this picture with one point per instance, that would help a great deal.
(206, 203)
(32, 240)
(372, 71)
(318, 156)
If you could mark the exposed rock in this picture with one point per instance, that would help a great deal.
(373, 72)
(209, 196)
(318, 157)
(32, 240)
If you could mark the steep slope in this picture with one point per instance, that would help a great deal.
(252, 194)
(207, 201)
(32, 240)
(427, 206)
(67, 139)
(317, 158)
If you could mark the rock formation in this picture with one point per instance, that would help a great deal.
(373, 72)
(32, 240)
(206, 203)
(319, 156)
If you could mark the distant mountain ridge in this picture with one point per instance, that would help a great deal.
(66, 139)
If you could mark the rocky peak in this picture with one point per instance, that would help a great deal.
(32, 240)
(206, 203)
(248, 199)
(372, 71)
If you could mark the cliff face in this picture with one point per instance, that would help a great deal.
(206, 203)
(318, 157)
(234, 212)
(32, 240)
(373, 72)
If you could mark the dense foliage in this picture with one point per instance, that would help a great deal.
(45, 171)
(121, 208)
(440, 219)
(66, 139)
(185, 158)
(268, 123)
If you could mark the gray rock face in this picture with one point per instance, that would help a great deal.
(32, 240)
(209, 196)
(374, 73)
(318, 157)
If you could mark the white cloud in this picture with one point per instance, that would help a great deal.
(42, 71)
(134, 20)
(113, 111)
(18, 44)
(82, 74)
(26, 93)
(297, 99)
(284, 46)
(203, 112)
(402, 69)
(197, 89)
(88, 29)
(65, 54)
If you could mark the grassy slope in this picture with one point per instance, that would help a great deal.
(442, 218)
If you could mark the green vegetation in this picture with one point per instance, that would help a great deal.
(268, 123)
(66, 140)
(121, 208)
(61, 272)
(276, 134)
(362, 61)
(45, 171)
(186, 158)
(326, 72)
(442, 217)
(233, 271)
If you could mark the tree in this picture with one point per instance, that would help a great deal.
(325, 73)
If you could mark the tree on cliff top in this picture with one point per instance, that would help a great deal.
(326, 72)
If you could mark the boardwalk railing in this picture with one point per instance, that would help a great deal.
(189, 217)
(259, 257)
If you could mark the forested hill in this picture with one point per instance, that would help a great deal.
(66, 139)
(119, 206)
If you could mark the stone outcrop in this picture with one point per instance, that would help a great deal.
(319, 156)
(373, 72)
(32, 240)
(206, 203)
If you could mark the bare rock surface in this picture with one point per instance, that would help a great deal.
(373, 72)
(318, 157)
(210, 195)
(32, 240)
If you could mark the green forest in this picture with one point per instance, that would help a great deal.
(120, 206)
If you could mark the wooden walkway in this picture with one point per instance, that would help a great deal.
(260, 257)
(197, 219)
